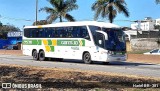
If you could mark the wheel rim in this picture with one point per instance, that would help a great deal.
(35, 55)
(87, 58)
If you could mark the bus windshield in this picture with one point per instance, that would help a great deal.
(116, 39)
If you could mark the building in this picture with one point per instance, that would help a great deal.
(13, 38)
(157, 21)
(130, 34)
(145, 25)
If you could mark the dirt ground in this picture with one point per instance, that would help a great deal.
(53, 79)
(130, 57)
(11, 52)
(144, 58)
(75, 79)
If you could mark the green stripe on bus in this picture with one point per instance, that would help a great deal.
(59, 42)
(32, 42)
(49, 42)
(52, 48)
(70, 43)
(83, 42)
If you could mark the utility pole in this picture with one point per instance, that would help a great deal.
(36, 11)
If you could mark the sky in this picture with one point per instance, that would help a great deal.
(17, 12)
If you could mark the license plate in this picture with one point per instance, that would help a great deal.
(118, 59)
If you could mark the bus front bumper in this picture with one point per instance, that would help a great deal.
(111, 58)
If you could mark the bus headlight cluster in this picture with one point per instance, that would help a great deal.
(110, 52)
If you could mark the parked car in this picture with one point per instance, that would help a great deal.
(153, 52)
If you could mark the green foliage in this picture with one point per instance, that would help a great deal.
(4, 29)
(60, 9)
(157, 27)
(41, 22)
(157, 1)
(109, 8)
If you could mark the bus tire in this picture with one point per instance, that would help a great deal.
(35, 55)
(87, 58)
(41, 56)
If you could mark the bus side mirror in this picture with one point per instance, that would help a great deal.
(100, 42)
(106, 37)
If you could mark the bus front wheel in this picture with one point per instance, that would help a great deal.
(87, 58)
(35, 55)
(41, 56)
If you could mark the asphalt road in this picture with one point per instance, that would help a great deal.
(140, 69)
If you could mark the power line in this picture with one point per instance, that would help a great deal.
(16, 19)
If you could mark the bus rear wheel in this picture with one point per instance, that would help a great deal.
(87, 58)
(35, 55)
(41, 56)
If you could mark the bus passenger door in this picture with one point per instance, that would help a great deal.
(100, 45)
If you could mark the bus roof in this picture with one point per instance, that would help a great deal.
(77, 23)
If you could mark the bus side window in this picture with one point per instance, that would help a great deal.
(85, 33)
(64, 32)
(93, 30)
(100, 37)
(41, 33)
(48, 32)
(56, 32)
(26, 32)
(59, 32)
(52, 32)
(75, 32)
(34, 33)
(69, 32)
(30, 33)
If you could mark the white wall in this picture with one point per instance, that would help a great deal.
(145, 26)
(158, 21)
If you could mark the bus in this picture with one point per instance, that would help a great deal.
(85, 40)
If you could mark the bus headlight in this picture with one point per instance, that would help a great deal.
(104, 52)
(110, 52)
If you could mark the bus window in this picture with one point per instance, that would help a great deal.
(56, 32)
(26, 32)
(60, 32)
(69, 32)
(64, 32)
(100, 38)
(41, 33)
(49, 32)
(52, 32)
(33, 33)
(75, 32)
(84, 32)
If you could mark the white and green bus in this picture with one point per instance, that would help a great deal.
(86, 40)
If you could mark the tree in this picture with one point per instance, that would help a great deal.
(109, 8)
(158, 1)
(41, 22)
(158, 27)
(60, 9)
(4, 29)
